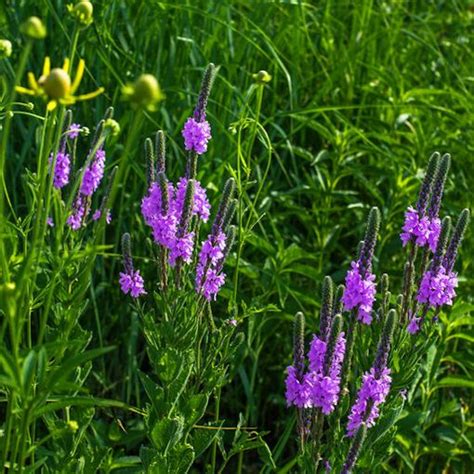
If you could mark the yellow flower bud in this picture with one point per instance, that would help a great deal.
(57, 84)
(34, 28)
(73, 425)
(145, 92)
(112, 126)
(83, 11)
(262, 77)
(5, 49)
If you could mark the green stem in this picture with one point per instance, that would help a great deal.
(3, 151)
(216, 419)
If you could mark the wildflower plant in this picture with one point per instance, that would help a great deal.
(191, 350)
(339, 398)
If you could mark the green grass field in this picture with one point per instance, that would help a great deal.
(361, 94)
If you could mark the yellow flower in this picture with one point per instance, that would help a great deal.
(55, 85)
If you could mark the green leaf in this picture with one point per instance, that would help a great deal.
(166, 433)
(455, 382)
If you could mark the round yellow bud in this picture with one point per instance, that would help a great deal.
(112, 126)
(57, 84)
(34, 28)
(73, 425)
(5, 49)
(83, 11)
(262, 77)
(146, 91)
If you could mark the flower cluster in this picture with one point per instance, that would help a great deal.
(437, 287)
(359, 293)
(196, 135)
(93, 174)
(132, 282)
(371, 394)
(164, 218)
(423, 231)
(209, 277)
(324, 385)
(175, 212)
(62, 169)
(320, 386)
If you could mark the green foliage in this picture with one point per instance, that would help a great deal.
(361, 94)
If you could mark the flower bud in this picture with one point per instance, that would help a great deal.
(73, 425)
(34, 28)
(57, 84)
(262, 77)
(112, 127)
(5, 49)
(145, 92)
(83, 12)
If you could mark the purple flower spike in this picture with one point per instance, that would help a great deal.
(196, 135)
(325, 386)
(297, 392)
(201, 206)
(422, 231)
(373, 391)
(93, 174)
(182, 248)
(437, 287)
(132, 283)
(76, 219)
(62, 169)
(209, 277)
(359, 293)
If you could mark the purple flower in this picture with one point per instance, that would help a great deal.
(93, 174)
(62, 169)
(324, 385)
(201, 206)
(132, 283)
(316, 354)
(98, 214)
(196, 135)
(437, 287)
(49, 221)
(79, 213)
(359, 293)
(182, 248)
(414, 325)
(74, 130)
(209, 276)
(423, 231)
(373, 391)
(297, 391)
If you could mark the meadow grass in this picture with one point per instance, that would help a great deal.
(361, 94)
